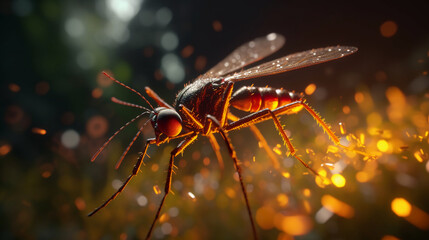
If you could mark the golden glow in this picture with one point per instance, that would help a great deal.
(389, 237)
(286, 174)
(401, 207)
(156, 190)
(295, 225)
(362, 176)
(277, 150)
(338, 207)
(306, 192)
(338, 180)
(418, 156)
(359, 97)
(383, 145)
(322, 180)
(310, 89)
(5, 149)
(282, 200)
(374, 119)
(342, 128)
(230, 192)
(164, 217)
(346, 109)
(40, 131)
(264, 217)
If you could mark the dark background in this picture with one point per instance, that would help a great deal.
(48, 79)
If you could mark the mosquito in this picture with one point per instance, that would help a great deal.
(203, 108)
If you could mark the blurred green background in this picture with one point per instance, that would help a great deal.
(56, 112)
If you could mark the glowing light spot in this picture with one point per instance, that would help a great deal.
(191, 196)
(230, 192)
(374, 119)
(187, 51)
(97, 126)
(418, 156)
(70, 139)
(282, 199)
(156, 190)
(322, 180)
(338, 180)
(74, 27)
(359, 97)
(362, 176)
(306, 192)
(286, 174)
(116, 184)
(166, 228)
(164, 217)
(123, 236)
(383, 145)
(141, 200)
(401, 207)
(264, 217)
(13, 87)
(310, 89)
(164, 16)
(124, 9)
(80, 204)
(362, 138)
(295, 225)
(389, 237)
(388, 29)
(338, 207)
(277, 150)
(39, 131)
(173, 212)
(217, 26)
(346, 110)
(342, 128)
(154, 167)
(169, 41)
(172, 68)
(332, 149)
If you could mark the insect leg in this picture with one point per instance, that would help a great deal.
(288, 143)
(265, 114)
(261, 140)
(133, 173)
(179, 149)
(328, 130)
(191, 117)
(216, 149)
(237, 168)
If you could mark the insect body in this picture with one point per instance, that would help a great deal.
(202, 107)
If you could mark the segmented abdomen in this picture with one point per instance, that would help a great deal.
(253, 99)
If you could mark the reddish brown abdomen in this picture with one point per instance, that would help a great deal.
(253, 99)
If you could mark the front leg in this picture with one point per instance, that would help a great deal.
(179, 149)
(233, 155)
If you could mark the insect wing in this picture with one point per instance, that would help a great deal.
(293, 61)
(248, 53)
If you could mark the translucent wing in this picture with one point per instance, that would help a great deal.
(248, 53)
(293, 61)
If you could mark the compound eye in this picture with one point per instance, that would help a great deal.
(169, 122)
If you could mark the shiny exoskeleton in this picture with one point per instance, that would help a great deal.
(202, 108)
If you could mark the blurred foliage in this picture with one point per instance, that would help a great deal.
(52, 53)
